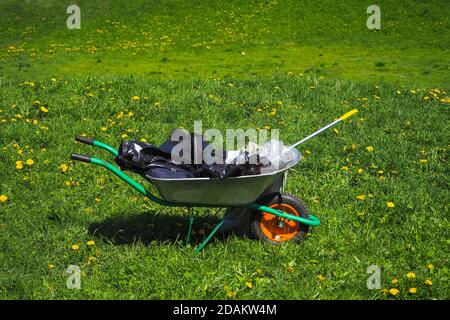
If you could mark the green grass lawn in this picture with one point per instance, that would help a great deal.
(228, 65)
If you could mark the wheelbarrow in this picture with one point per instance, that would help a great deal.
(276, 216)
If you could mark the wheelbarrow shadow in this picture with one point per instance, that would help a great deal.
(150, 227)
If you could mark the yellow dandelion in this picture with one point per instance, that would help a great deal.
(103, 128)
(135, 98)
(361, 197)
(394, 281)
(51, 266)
(3, 198)
(360, 171)
(75, 247)
(63, 168)
(423, 161)
(428, 282)
(390, 204)
(394, 291)
(320, 277)
(249, 285)
(29, 162)
(344, 168)
(44, 109)
(19, 165)
(412, 290)
(90, 243)
(369, 149)
(231, 294)
(430, 266)
(410, 275)
(91, 259)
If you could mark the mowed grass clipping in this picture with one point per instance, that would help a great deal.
(378, 182)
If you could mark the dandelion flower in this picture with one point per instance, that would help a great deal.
(63, 168)
(320, 277)
(19, 165)
(344, 168)
(3, 198)
(231, 294)
(412, 290)
(90, 243)
(428, 282)
(390, 204)
(430, 266)
(29, 162)
(361, 197)
(410, 275)
(91, 259)
(51, 266)
(369, 149)
(135, 98)
(423, 161)
(394, 281)
(75, 247)
(249, 285)
(360, 171)
(44, 109)
(394, 291)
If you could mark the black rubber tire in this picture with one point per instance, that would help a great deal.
(289, 199)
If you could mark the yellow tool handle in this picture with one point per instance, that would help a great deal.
(348, 114)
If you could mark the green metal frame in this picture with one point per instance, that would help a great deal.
(312, 221)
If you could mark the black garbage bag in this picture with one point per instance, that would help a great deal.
(151, 161)
(148, 160)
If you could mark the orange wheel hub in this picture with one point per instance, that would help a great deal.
(279, 229)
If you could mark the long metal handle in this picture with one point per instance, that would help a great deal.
(341, 118)
(98, 144)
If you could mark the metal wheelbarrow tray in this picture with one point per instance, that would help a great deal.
(226, 192)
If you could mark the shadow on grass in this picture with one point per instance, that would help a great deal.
(149, 227)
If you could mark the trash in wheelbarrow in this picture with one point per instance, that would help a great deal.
(151, 161)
